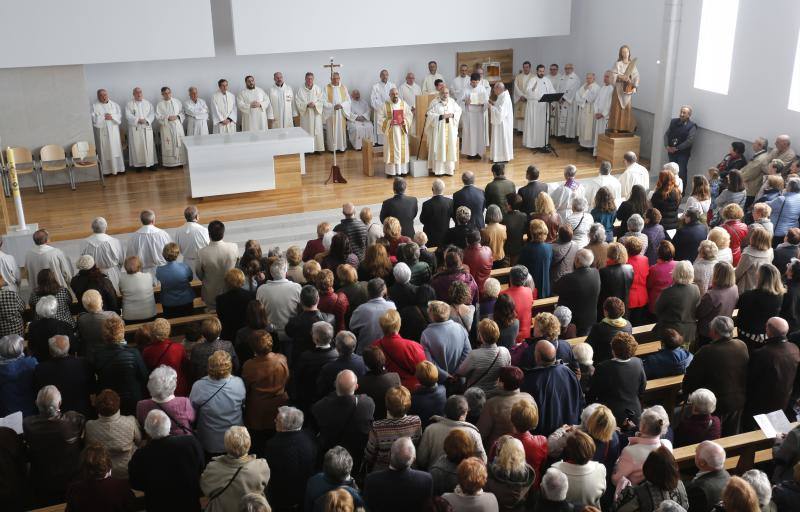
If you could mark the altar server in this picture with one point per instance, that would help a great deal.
(254, 105)
(223, 112)
(281, 98)
(169, 113)
(336, 113)
(378, 97)
(359, 126)
(43, 256)
(106, 118)
(140, 114)
(442, 128)
(474, 98)
(196, 111)
(310, 103)
(501, 115)
(105, 250)
(534, 133)
(602, 107)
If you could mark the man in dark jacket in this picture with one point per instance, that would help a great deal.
(690, 234)
(471, 197)
(291, 455)
(398, 488)
(579, 290)
(298, 328)
(705, 489)
(516, 223)
(347, 360)
(530, 192)
(72, 375)
(678, 139)
(436, 214)
(401, 206)
(499, 187)
(310, 363)
(355, 230)
(611, 323)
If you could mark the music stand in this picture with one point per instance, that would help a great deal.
(549, 98)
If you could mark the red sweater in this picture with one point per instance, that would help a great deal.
(479, 260)
(638, 293)
(523, 303)
(402, 357)
(171, 354)
(335, 304)
(738, 231)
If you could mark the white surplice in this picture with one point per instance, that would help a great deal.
(378, 96)
(107, 253)
(460, 83)
(141, 146)
(191, 237)
(520, 86)
(602, 105)
(9, 271)
(584, 100)
(568, 110)
(171, 132)
(409, 93)
(443, 136)
(148, 244)
(635, 174)
(395, 151)
(106, 132)
(336, 120)
(473, 136)
(47, 256)
(358, 130)
(501, 115)
(564, 194)
(196, 117)
(592, 185)
(311, 117)
(254, 119)
(534, 134)
(223, 106)
(427, 84)
(281, 100)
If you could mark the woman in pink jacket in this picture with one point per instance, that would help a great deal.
(660, 276)
(652, 425)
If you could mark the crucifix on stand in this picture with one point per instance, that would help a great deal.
(336, 172)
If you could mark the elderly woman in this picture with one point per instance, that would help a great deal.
(760, 483)
(89, 326)
(229, 477)
(217, 399)
(454, 271)
(701, 424)
(537, 257)
(458, 445)
(580, 221)
(265, 377)
(489, 294)
(136, 288)
(232, 304)
(16, 374)
(654, 232)
(652, 425)
(772, 188)
(482, 365)
(598, 422)
(584, 355)
(587, 478)
(660, 276)
(758, 253)
(418, 259)
(689, 236)
(732, 216)
(672, 359)
(564, 251)
(553, 497)
(98, 489)
(661, 481)
(392, 237)
(376, 263)
(457, 235)
(734, 193)
(45, 327)
(210, 329)
(494, 234)
(637, 298)
(616, 278)
(618, 382)
(605, 211)
(635, 226)
(355, 291)
(294, 271)
(402, 354)
(161, 385)
(402, 292)
(722, 240)
(707, 254)
(177, 296)
(292, 456)
(89, 277)
(676, 306)
(510, 477)
(397, 424)
(761, 219)
(598, 244)
(545, 211)
(469, 494)
(429, 398)
(758, 305)
(377, 381)
(12, 307)
(120, 367)
(163, 351)
(47, 285)
(564, 315)
(666, 198)
(315, 246)
(119, 434)
(331, 302)
(719, 300)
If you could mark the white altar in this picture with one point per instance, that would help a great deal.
(239, 162)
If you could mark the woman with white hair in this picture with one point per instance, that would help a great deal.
(161, 385)
(47, 285)
(598, 244)
(704, 265)
(402, 292)
(564, 315)
(635, 226)
(701, 424)
(89, 326)
(553, 495)
(653, 424)
(89, 277)
(510, 476)
(677, 304)
(16, 374)
(759, 481)
(229, 477)
(46, 325)
(580, 221)
(758, 253)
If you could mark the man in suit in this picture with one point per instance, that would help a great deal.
(471, 197)
(401, 206)
(705, 489)
(499, 187)
(72, 375)
(398, 488)
(436, 213)
(531, 191)
(516, 223)
(214, 261)
(579, 291)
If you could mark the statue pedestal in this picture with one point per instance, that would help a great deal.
(614, 147)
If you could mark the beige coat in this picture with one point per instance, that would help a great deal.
(495, 420)
(753, 173)
(747, 269)
(253, 477)
(213, 261)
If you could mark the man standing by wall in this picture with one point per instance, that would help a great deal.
(679, 138)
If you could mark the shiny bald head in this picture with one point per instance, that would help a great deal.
(348, 210)
(346, 383)
(545, 353)
(777, 327)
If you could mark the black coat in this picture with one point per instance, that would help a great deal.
(74, 378)
(615, 281)
(344, 421)
(356, 232)
(618, 384)
(428, 401)
(529, 194)
(88, 280)
(122, 369)
(473, 198)
(232, 311)
(771, 376)
(306, 371)
(600, 336)
(392, 490)
(404, 209)
(668, 208)
(687, 241)
(721, 367)
(435, 218)
(579, 291)
(39, 331)
(516, 224)
(291, 457)
(457, 235)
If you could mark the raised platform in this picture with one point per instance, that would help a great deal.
(614, 147)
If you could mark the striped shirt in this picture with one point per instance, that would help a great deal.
(384, 433)
(480, 368)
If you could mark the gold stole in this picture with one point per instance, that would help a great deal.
(387, 122)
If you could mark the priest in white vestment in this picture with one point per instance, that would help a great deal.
(106, 118)
(603, 179)
(409, 90)
(191, 237)
(501, 115)
(557, 79)
(520, 86)
(105, 250)
(336, 112)
(564, 194)
(534, 133)
(478, 68)
(223, 109)
(359, 125)
(442, 127)
(148, 243)
(140, 114)
(568, 109)
(169, 113)
(428, 86)
(635, 174)
(460, 83)
(378, 96)
(254, 106)
(44, 256)
(310, 104)
(9, 270)
(602, 107)
(196, 111)
(584, 100)
(281, 98)
(475, 99)
(394, 120)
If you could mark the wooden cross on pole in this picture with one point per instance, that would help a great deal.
(333, 67)
(336, 173)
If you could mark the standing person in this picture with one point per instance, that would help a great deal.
(635, 174)
(535, 131)
(379, 95)
(442, 121)
(501, 116)
(169, 113)
(568, 107)
(678, 139)
(409, 90)
(584, 101)
(254, 106)
(436, 214)
(471, 197)
(394, 119)
(45, 256)
(626, 83)
(401, 207)
(428, 86)
(148, 242)
(579, 291)
(520, 101)
(191, 237)
(196, 111)
(106, 118)
(602, 107)
(177, 296)
(336, 112)
(474, 98)
(530, 191)
(214, 261)
(105, 250)
(310, 102)
(140, 114)
(281, 99)
(500, 186)
(223, 109)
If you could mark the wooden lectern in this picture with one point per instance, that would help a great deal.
(418, 150)
(613, 148)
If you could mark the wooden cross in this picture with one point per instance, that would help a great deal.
(336, 173)
(333, 67)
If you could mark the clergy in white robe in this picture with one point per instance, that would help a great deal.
(140, 114)
(336, 112)
(281, 99)
(501, 115)
(442, 127)
(603, 179)
(169, 113)
(394, 120)
(520, 86)
(148, 243)
(409, 90)
(359, 126)
(254, 106)
(460, 83)
(584, 100)
(557, 79)
(105, 250)
(9, 270)
(310, 104)
(568, 109)
(223, 109)
(191, 237)
(475, 99)
(602, 107)
(106, 118)
(635, 174)
(564, 193)
(534, 134)
(196, 111)
(44, 256)
(378, 96)
(428, 86)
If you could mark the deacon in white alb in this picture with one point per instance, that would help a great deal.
(534, 133)
(359, 126)
(169, 113)
(520, 86)
(336, 113)
(223, 109)
(460, 83)
(603, 179)
(568, 109)
(44, 256)
(584, 100)
(191, 237)
(557, 79)
(196, 111)
(140, 114)
(635, 174)
(106, 251)
(442, 128)
(409, 90)
(567, 191)
(254, 105)
(602, 107)
(475, 99)
(281, 98)
(428, 86)
(501, 115)
(148, 243)
(106, 118)
(378, 97)
(478, 68)
(310, 103)
(394, 120)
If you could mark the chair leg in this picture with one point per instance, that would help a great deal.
(71, 176)
(40, 181)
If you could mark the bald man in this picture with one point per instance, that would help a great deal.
(140, 114)
(678, 139)
(355, 230)
(409, 90)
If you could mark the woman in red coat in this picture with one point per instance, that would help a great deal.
(331, 302)
(637, 299)
(660, 276)
(402, 355)
(732, 216)
(164, 351)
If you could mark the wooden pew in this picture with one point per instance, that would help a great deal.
(663, 391)
(179, 324)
